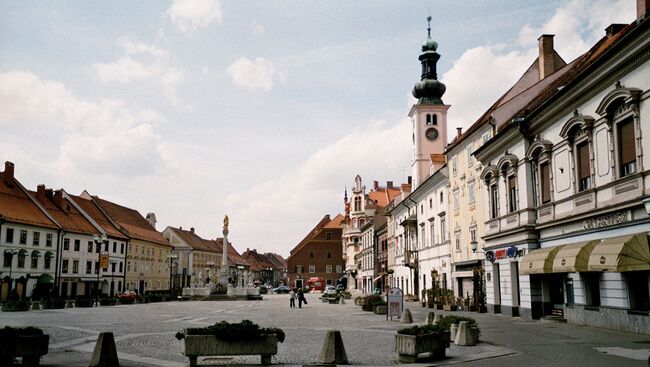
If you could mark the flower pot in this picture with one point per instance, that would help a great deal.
(410, 346)
(29, 347)
(210, 345)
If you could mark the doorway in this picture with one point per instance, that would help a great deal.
(556, 294)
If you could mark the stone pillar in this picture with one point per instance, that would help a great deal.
(223, 272)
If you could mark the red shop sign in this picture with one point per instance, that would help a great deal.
(500, 254)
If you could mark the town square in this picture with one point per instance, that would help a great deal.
(212, 182)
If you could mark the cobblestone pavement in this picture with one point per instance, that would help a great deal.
(144, 335)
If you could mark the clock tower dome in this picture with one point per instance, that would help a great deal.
(428, 115)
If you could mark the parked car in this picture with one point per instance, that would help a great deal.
(340, 288)
(330, 290)
(281, 289)
(128, 295)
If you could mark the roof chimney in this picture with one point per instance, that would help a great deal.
(151, 218)
(60, 202)
(389, 184)
(613, 29)
(49, 193)
(459, 132)
(40, 193)
(546, 55)
(642, 8)
(375, 185)
(8, 174)
(192, 230)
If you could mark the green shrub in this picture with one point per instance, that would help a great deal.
(15, 306)
(126, 301)
(108, 301)
(84, 302)
(370, 301)
(245, 330)
(11, 332)
(419, 330)
(446, 321)
(155, 298)
(54, 303)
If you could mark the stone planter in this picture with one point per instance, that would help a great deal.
(208, 345)
(474, 332)
(333, 301)
(381, 309)
(29, 347)
(410, 346)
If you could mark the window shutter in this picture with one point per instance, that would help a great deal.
(545, 182)
(626, 141)
(583, 160)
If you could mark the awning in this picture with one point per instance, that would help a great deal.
(539, 261)
(36, 253)
(45, 279)
(573, 257)
(619, 254)
(22, 252)
(49, 254)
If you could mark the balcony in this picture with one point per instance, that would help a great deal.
(410, 258)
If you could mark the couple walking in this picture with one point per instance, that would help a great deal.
(299, 295)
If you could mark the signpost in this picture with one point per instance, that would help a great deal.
(103, 260)
(395, 302)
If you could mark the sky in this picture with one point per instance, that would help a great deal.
(262, 110)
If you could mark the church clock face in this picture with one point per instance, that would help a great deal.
(431, 134)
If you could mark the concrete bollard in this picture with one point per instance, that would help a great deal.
(333, 351)
(463, 335)
(437, 318)
(69, 304)
(36, 305)
(430, 318)
(406, 318)
(341, 301)
(105, 353)
(453, 329)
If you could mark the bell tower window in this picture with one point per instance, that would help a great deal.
(432, 119)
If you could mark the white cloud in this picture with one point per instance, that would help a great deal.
(482, 74)
(84, 137)
(190, 15)
(315, 187)
(142, 62)
(579, 24)
(258, 74)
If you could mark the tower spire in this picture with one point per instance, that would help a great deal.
(429, 26)
(429, 90)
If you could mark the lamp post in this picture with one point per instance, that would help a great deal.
(98, 241)
(11, 252)
(171, 258)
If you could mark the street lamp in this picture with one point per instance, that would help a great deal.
(98, 241)
(171, 258)
(11, 252)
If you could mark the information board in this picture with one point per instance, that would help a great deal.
(395, 302)
(103, 260)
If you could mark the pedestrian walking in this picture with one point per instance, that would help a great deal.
(292, 298)
(301, 298)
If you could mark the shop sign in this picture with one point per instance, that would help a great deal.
(103, 260)
(395, 303)
(500, 254)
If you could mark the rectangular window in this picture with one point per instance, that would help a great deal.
(339, 268)
(89, 267)
(90, 247)
(512, 193)
(311, 254)
(454, 165)
(121, 267)
(9, 235)
(456, 199)
(34, 263)
(584, 169)
(48, 240)
(430, 203)
(106, 247)
(470, 157)
(77, 245)
(545, 182)
(75, 266)
(494, 201)
(443, 232)
(471, 192)
(114, 247)
(48, 262)
(433, 232)
(122, 248)
(128, 266)
(23, 237)
(98, 248)
(638, 290)
(627, 151)
(328, 235)
(64, 266)
(299, 269)
(96, 267)
(329, 254)
(312, 268)
(328, 268)
(457, 241)
(112, 267)
(21, 260)
(66, 244)
(472, 234)
(36, 239)
(423, 237)
(7, 260)
(592, 288)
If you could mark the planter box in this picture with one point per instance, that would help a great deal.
(208, 345)
(381, 309)
(410, 346)
(449, 307)
(29, 347)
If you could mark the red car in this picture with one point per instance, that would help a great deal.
(130, 295)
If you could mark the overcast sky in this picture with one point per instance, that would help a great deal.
(264, 110)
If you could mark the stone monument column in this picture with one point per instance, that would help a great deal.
(223, 273)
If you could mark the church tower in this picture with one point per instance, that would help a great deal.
(428, 116)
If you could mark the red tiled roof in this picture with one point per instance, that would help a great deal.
(96, 214)
(234, 258)
(311, 234)
(257, 261)
(194, 241)
(132, 222)
(278, 261)
(70, 219)
(336, 222)
(16, 206)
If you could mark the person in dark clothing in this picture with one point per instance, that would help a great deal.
(301, 298)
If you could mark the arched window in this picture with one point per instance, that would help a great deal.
(577, 131)
(357, 203)
(539, 154)
(361, 222)
(432, 119)
(489, 176)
